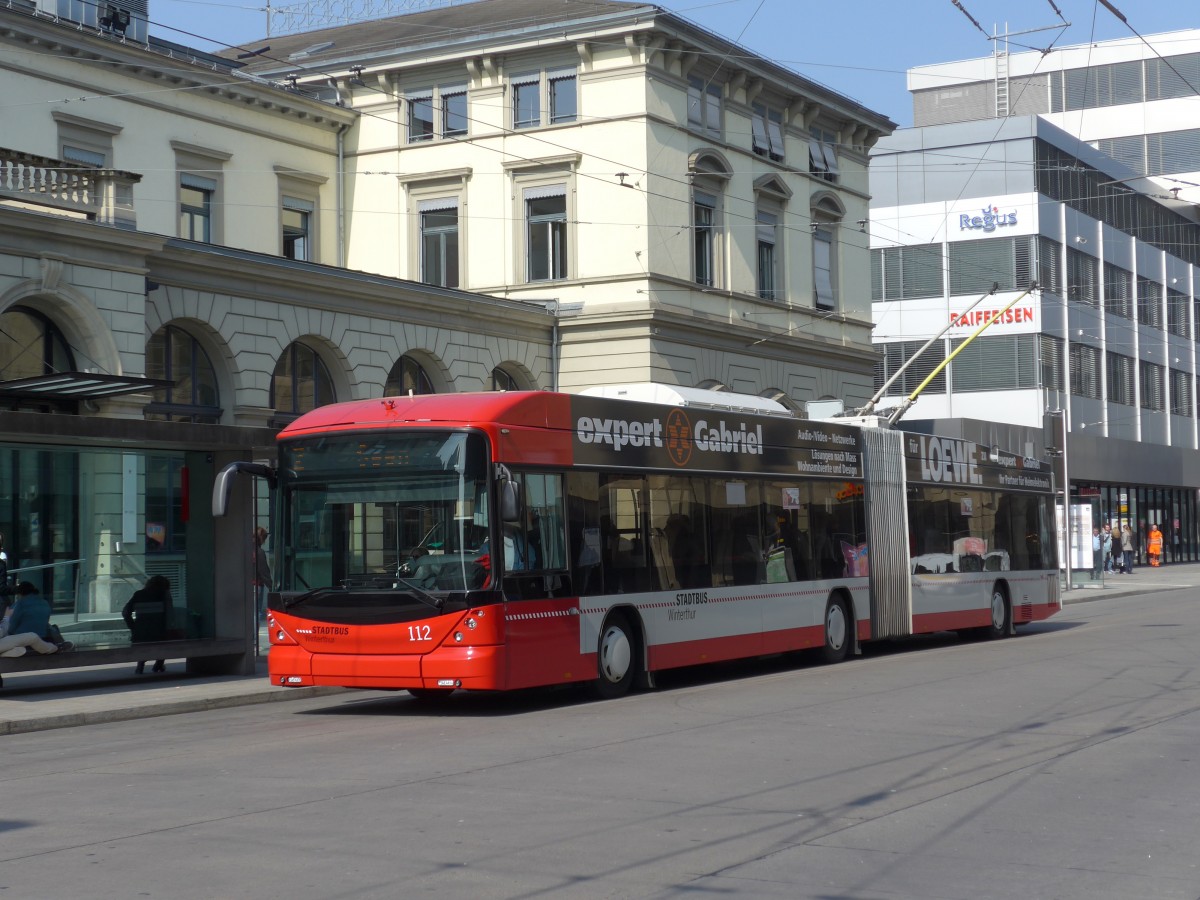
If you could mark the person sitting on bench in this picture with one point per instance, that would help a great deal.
(30, 620)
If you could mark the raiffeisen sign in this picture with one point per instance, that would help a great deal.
(989, 219)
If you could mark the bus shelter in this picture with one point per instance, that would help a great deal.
(92, 508)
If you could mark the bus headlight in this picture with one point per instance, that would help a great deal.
(458, 637)
(471, 623)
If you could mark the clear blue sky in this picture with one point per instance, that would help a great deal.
(861, 48)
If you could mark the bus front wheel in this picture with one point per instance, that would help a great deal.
(616, 657)
(1001, 613)
(838, 636)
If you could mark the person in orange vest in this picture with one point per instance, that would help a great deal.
(1155, 546)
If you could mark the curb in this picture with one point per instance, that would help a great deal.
(166, 708)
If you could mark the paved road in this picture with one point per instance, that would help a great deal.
(1058, 764)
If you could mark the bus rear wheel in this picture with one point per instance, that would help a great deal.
(838, 636)
(616, 658)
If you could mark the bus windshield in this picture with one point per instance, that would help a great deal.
(383, 511)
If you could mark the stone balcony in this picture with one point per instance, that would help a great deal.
(44, 184)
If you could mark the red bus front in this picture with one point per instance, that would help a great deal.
(385, 565)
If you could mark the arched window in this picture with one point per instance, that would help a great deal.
(709, 172)
(301, 383)
(407, 377)
(174, 355)
(781, 398)
(503, 380)
(32, 346)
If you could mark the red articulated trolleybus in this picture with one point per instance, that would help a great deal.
(495, 541)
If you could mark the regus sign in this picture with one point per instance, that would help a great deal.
(989, 219)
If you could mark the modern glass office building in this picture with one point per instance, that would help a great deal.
(1083, 292)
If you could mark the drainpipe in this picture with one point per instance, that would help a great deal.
(554, 354)
(340, 194)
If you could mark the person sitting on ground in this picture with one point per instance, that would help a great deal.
(28, 623)
(146, 616)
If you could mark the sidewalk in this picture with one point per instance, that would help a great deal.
(64, 698)
(38, 701)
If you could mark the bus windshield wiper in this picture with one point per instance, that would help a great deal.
(309, 594)
(421, 594)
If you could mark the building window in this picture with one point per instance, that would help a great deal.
(546, 233)
(822, 154)
(767, 132)
(174, 355)
(1181, 392)
(1120, 379)
(704, 106)
(1177, 312)
(408, 377)
(1085, 371)
(1082, 277)
(31, 345)
(1151, 378)
(1118, 291)
(439, 241)
(297, 228)
(83, 142)
(196, 207)
(1001, 362)
(526, 100)
(439, 112)
(503, 381)
(766, 231)
(894, 355)
(420, 118)
(824, 268)
(704, 218)
(564, 98)
(81, 156)
(454, 112)
(1149, 303)
(906, 273)
(549, 98)
(1007, 263)
(301, 382)
(1050, 359)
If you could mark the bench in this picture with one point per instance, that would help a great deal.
(204, 657)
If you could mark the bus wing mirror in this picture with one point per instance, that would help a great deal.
(224, 482)
(510, 501)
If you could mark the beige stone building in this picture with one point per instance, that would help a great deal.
(693, 212)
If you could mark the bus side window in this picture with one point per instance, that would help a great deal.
(586, 541)
(542, 534)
